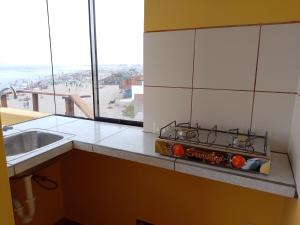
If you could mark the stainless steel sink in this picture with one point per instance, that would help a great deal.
(28, 141)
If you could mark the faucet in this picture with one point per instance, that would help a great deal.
(4, 91)
(7, 128)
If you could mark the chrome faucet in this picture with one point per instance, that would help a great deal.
(4, 91)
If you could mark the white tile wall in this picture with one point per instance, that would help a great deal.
(279, 58)
(273, 113)
(226, 57)
(294, 146)
(168, 58)
(227, 109)
(163, 105)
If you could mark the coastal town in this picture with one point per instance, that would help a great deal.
(120, 91)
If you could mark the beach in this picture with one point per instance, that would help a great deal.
(111, 97)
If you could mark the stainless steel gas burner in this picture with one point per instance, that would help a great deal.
(231, 148)
(233, 138)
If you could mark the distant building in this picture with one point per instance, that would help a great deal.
(130, 81)
(126, 86)
(136, 91)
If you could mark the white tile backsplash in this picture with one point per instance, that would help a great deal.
(163, 105)
(294, 144)
(168, 58)
(226, 57)
(227, 109)
(273, 113)
(279, 58)
(224, 66)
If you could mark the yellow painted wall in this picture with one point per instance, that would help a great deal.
(291, 215)
(100, 190)
(6, 214)
(184, 14)
(49, 203)
(180, 14)
(96, 190)
(11, 116)
(49, 206)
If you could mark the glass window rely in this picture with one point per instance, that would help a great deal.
(30, 49)
(25, 63)
(120, 27)
(69, 24)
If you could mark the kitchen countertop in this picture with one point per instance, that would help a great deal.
(131, 143)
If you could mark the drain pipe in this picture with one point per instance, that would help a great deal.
(30, 199)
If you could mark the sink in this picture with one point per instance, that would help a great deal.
(28, 141)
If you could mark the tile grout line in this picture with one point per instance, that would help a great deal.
(174, 165)
(193, 73)
(277, 92)
(161, 86)
(224, 26)
(62, 124)
(290, 163)
(224, 89)
(47, 128)
(109, 136)
(255, 78)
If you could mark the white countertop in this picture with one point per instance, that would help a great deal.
(131, 143)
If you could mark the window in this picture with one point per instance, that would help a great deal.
(49, 54)
(69, 26)
(120, 27)
(24, 55)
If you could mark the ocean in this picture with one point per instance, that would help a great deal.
(20, 76)
(9, 75)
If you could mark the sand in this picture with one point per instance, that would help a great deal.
(107, 95)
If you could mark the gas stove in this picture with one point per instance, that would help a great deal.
(230, 149)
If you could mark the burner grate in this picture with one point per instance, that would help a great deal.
(232, 139)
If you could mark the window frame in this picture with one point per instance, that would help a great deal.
(93, 67)
(94, 71)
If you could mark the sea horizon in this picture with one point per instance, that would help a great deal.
(32, 73)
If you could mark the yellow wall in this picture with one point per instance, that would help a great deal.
(183, 14)
(49, 204)
(107, 191)
(100, 190)
(11, 116)
(6, 214)
(7, 117)
(291, 214)
(179, 14)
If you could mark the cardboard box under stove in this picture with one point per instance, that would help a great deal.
(229, 149)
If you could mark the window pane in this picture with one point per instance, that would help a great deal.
(69, 24)
(25, 56)
(120, 27)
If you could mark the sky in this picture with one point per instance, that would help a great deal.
(24, 32)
